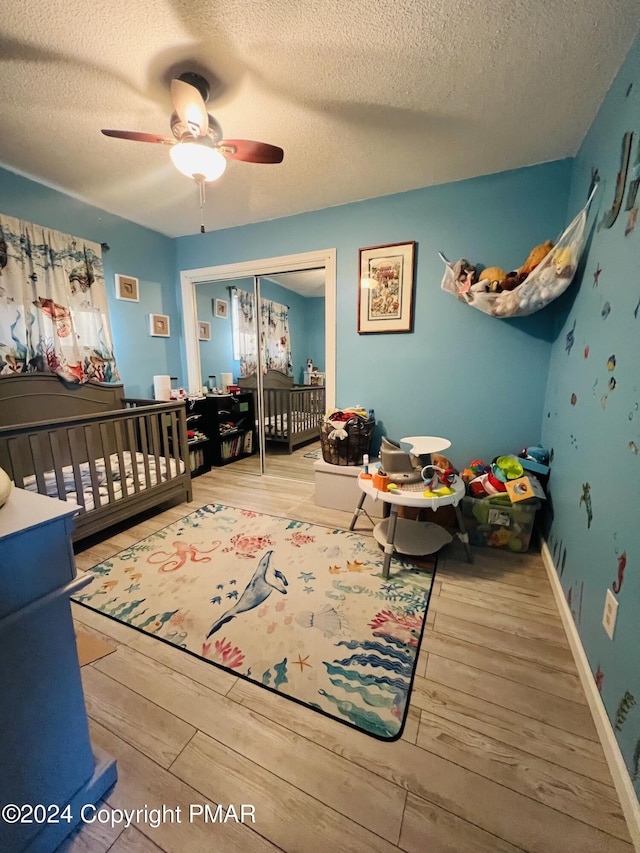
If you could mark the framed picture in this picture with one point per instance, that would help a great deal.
(159, 325)
(204, 331)
(220, 308)
(385, 288)
(127, 288)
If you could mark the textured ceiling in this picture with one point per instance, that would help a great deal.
(366, 97)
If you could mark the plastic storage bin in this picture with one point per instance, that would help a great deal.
(499, 523)
(349, 450)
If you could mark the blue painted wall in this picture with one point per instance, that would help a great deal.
(315, 333)
(216, 355)
(462, 374)
(134, 251)
(594, 531)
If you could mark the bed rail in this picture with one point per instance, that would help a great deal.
(87, 452)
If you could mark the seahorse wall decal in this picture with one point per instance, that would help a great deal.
(625, 705)
(585, 499)
(622, 564)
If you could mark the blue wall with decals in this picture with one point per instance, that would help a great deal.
(592, 417)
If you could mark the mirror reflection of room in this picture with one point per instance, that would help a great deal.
(289, 332)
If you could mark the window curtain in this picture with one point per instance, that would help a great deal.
(245, 337)
(53, 305)
(275, 340)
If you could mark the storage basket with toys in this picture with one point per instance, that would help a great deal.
(545, 275)
(345, 435)
(503, 498)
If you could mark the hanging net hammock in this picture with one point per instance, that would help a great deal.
(548, 280)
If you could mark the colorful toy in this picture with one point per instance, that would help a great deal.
(564, 262)
(380, 481)
(438, 481)
(365, 474)
(507, 468)
(492, 277)
(465, 275)
(535, 256)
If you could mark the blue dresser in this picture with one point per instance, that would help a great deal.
(45, 751)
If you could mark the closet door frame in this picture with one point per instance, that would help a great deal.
(287, 263)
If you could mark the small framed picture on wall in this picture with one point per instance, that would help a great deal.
(220, 308)
(159, 325)
(127, 288)
(204, 331)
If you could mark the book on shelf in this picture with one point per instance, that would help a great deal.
(232, 447)
(196, 459)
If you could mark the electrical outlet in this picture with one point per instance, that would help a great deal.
(610, 613)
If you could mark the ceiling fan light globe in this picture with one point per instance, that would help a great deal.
(196, 157)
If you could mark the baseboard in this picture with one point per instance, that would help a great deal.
(617, 767)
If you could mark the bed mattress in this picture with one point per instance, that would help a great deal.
(123, 480)
(277, 426)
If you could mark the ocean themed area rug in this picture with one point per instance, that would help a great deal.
(297, 608)
(314, 454)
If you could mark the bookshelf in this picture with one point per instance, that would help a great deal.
(198, 443)
(229, 424)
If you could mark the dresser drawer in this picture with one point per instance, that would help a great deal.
(36, 556)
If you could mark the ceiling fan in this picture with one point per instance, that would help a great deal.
(197, 147)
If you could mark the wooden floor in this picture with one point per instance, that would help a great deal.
(280, 463)
(499, 753)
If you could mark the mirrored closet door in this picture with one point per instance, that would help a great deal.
(265, 336)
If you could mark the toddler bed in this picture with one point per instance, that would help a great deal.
(113, 456)
(292, 413)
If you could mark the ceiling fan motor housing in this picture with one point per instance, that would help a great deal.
(179, 129)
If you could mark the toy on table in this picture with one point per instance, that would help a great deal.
(437, 481)
(380, 480)
(365, 473)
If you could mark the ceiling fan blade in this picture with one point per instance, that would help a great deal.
(190, 107)
(135, 136)
(250, 151)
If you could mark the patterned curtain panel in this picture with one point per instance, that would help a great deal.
(53, 305)
(245, 337)
(275, 339)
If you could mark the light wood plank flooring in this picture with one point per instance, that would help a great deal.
(499, 753)
(280, 463)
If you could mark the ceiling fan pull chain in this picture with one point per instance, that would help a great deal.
(201, 186)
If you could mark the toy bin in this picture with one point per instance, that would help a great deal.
(348, 450)
(496, 522)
